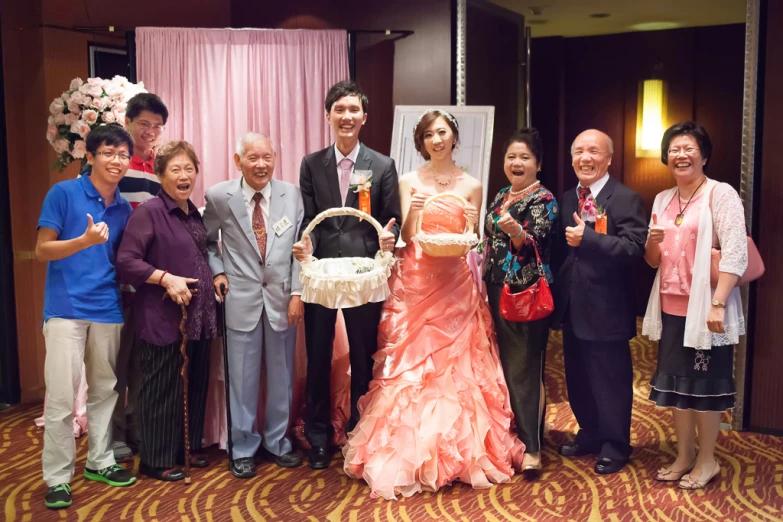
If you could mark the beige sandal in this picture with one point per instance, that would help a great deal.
(669, 475)
(688, 483)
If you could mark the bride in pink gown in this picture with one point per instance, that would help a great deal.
(437, 409)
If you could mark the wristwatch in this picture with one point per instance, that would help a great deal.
(718, 304)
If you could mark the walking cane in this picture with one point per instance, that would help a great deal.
(229, 442)
(183, 349)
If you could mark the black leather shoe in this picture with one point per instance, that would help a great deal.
(607, 466)
(320, 457)
(575, 450)
(292, 459)
(196, 461)
(243, 468)
(164, 474)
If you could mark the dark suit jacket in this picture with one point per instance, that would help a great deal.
(593, 283)
(346, 236)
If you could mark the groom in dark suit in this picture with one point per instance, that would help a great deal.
(594, 302)
(324, 180)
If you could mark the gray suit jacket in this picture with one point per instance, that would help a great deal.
(254, 284)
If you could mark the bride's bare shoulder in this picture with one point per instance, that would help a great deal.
(469, 181)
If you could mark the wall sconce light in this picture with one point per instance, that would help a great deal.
(650, 117)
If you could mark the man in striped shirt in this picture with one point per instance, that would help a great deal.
(145, 118)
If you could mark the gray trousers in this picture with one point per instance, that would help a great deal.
(246, 350)
(522, 350)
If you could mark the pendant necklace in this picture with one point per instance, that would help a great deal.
(681, 215)
(441, 183)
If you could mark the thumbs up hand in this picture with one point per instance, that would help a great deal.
(417, 200)
(95, 233)
(387, 237)
(574, 234)
(657, 232)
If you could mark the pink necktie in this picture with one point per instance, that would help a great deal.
(345, 178)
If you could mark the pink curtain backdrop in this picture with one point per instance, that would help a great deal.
(220, 83)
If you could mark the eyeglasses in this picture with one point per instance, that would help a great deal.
(109, 155)
(688, 151)
(147, 126)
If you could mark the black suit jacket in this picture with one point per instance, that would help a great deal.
(346, 236)
(594, 290)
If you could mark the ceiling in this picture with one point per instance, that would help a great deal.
(572, 17)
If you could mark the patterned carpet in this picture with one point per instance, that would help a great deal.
(749, 488)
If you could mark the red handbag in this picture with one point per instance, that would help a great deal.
(530, 304)
(755, 267)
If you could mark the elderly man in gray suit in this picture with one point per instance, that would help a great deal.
(257, 219)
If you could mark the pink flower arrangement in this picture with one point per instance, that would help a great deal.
(84, 106)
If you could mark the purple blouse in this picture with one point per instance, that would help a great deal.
(159, 235)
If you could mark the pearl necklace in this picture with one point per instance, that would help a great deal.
(435, 177)
(526, 189)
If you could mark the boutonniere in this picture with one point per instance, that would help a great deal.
(361, 183)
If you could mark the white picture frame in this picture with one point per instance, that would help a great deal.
(476, 126)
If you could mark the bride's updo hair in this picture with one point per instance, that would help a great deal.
(423, 124)
(530, 137)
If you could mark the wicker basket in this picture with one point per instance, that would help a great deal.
(346, 282)
(445, 244)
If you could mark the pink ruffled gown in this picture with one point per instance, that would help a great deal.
(437, 409)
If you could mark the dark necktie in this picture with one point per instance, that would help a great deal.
(259, 227)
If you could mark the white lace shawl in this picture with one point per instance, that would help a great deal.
(729, 217)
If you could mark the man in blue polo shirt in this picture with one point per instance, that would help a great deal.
(79, 231)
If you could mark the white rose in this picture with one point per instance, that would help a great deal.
(51, 133)
(59, 118)
(98, 103)
(70, 118)
(120, 80)
(109, 117)
(74, 107)
(95, 81)
(120, 106)
(79, 149)
(56, 107)
(113, 89)
(90, 116)
(61, 145)
(75, 84)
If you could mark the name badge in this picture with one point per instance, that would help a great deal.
(281, 226)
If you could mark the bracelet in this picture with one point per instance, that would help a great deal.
(160, 281)
(521, 231)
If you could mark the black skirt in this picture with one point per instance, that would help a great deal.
(689, 379)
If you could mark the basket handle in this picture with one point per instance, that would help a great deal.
(343, 211)
(430, 199)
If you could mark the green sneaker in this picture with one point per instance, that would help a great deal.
(58, 497)
(113, 475)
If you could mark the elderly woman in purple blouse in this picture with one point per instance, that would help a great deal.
(163, 254)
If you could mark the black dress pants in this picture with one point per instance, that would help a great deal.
(522, 350)
(161, 410)
(599, 379)
(361, 324)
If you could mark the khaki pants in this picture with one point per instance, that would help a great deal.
(69, 343)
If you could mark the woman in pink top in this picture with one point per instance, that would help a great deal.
(697, 326)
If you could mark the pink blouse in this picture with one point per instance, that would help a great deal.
(678, 251)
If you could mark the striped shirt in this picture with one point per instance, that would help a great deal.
(140, 182)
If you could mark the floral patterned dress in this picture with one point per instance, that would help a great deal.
(537, 212)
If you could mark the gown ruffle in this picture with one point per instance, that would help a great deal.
(437, 409)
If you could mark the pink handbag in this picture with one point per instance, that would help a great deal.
(755, 263)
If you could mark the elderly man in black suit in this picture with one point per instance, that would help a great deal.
(325, 179)
(605, 234)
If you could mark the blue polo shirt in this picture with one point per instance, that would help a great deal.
(84, 285)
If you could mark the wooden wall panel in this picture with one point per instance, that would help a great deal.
(766, 384)
(47, 59)
(592, 82)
